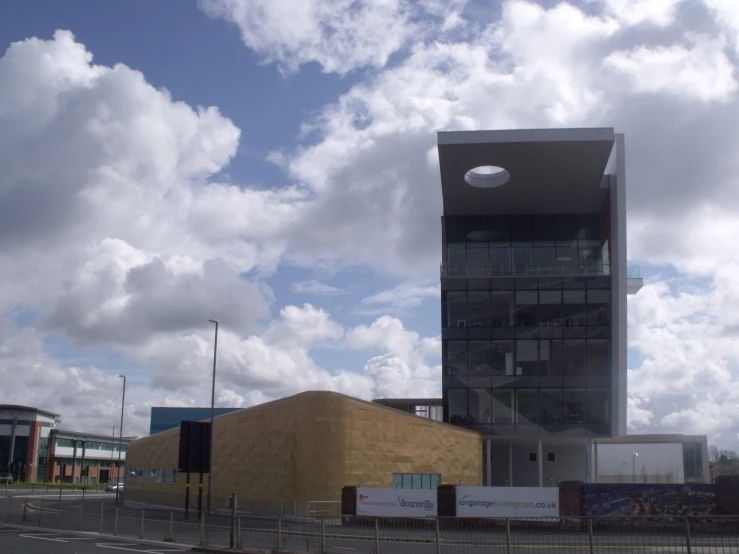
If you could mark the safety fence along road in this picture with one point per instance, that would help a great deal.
(363, 535)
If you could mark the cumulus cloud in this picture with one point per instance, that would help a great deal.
(340, 35)
(398, 299)
(314, 287)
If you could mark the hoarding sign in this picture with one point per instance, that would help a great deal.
(507, 502)
(396, 502)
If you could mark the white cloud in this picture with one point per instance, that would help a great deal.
(340, 35)
(637, 12)
(317, 288)
(399, 299)
(703, 72)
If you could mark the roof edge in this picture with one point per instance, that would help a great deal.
(526, 135)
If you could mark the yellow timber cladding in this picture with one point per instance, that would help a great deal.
(306, 448)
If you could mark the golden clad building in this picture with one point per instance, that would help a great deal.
(306, 448)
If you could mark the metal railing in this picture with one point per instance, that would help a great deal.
(484, 269)
(225, 528)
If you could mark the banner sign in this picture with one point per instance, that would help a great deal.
(507, 502)
(396, 502)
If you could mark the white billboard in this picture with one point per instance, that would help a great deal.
(507, 502)
(396, 502)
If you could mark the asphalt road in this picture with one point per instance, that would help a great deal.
(99, 513)
(13, 541)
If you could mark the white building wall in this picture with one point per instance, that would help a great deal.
(657, 462)
(619, 289)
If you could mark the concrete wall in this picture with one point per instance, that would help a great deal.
(307, 447)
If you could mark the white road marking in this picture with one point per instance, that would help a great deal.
(46, 537)
(119, 546)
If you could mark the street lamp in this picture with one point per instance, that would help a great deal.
(112, 449)
(633, 467)
(120, 439)
(212, 410)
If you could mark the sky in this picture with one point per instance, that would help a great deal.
(272, 164)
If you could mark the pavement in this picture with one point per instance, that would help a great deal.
(45, 541)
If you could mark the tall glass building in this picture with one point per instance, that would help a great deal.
(533, 296)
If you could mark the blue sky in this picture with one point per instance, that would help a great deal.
(304, 206)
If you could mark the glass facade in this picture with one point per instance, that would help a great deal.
(524, 245)
(528, 355)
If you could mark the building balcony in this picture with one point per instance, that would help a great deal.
(484, 269)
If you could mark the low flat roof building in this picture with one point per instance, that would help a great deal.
(306, 448)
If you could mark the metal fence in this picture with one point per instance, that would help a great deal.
(364, 535)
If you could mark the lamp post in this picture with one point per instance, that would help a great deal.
(112, 449)
(633, 467)
(120, 439)
(212, 410)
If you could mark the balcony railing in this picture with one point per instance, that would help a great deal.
(484, 269)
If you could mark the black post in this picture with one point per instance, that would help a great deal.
(200, 497)
(187, 494)
(233, 518)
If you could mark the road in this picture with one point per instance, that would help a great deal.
(99, 513)
(13, 541)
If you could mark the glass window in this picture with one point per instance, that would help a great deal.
(589, 227)
(526, 406)
(599, 307)
(550, 357)
(500, 257)
(599, 405)
(477, 252)
(477, 229)
(435, 481)
(566, 252)
(502, 357)
(456, 306)
(457, 352)
(527, 357)
(498, 227)
(526, 304)
(573, 402)
(416, 481)
(573, 308)
(573, 357)
(551, 406)
(501, 308)
(479, 357)
(545, 255)
(599, 356)
(522, 254)
(521, 228)
(480, 406)
(532, 456)
(502, 406)
(407, 481)
(568, 227)
(458, 406)
(589, 250)
(550, 308)
(425, 481)
(456, 253)
(478, 309)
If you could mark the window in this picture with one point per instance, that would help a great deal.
(478, 309)
(526, 304)
(477, 252)
(416, 481)
(599, 307)
(532, 457)
(480, 405)
(457, 353)
(500, 258)
(551, 457)
(65, 443)
(599, 356)
(522, 254)
(551, 408)
(456, 253)
(502, 357)
(456, 308)
(502, 407)
(527, 357)
(573, 357)
(458, 406)
(599, 405)
(573, 402)
(550, 308)
(526, 406)
(550, 357)
(501, 308)
(573, 308)
(479, 357)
